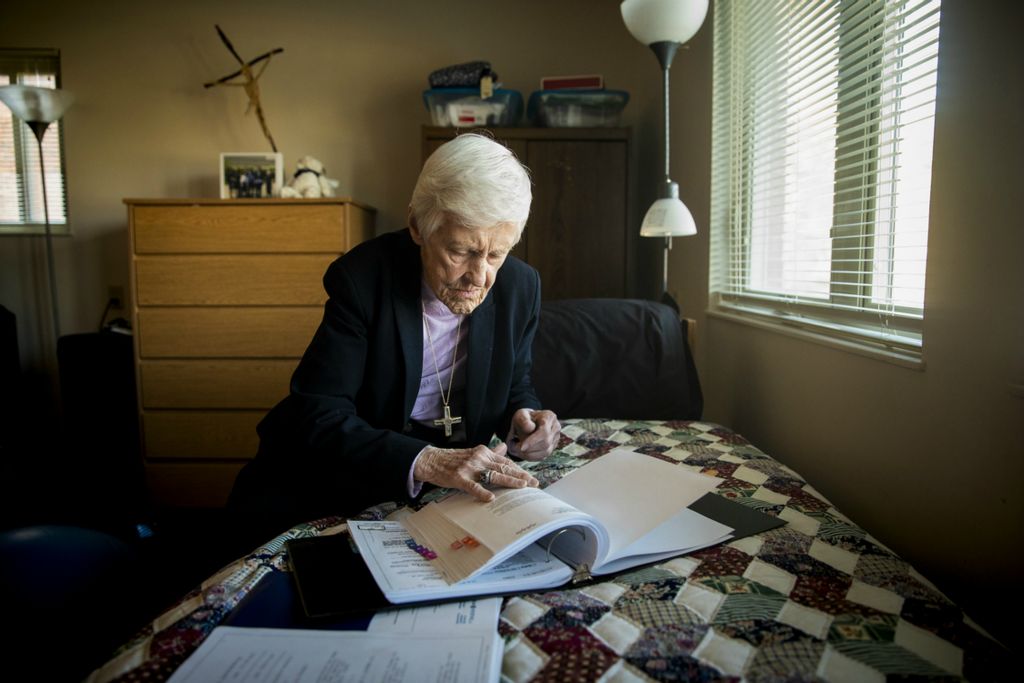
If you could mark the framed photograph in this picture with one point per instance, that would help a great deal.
(250, 176)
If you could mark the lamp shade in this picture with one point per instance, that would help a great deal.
(33, 104)
(654, 21)
(668, 217)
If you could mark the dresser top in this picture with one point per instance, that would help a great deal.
(210, 201)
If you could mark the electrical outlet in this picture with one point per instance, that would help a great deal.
(115, 296)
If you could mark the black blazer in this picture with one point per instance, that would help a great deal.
(338, 437)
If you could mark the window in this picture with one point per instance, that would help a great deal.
(21, 191)
(823, 119)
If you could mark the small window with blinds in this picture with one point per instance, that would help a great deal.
(21, 190)
(823, 120)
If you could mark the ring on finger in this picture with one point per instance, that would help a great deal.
(485, 477)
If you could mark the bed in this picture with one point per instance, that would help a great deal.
(816, 599)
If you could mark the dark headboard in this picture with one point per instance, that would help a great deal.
(620, 358)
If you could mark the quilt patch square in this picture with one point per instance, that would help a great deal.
(666, 653)
(789, 660)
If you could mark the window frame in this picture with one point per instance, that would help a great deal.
(882, 330)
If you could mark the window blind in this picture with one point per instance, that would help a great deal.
(821, 173)
(21, 191)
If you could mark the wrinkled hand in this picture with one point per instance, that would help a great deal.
(537, 431)
(461, 468)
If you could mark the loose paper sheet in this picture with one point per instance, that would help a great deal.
(453, 643)
(467, 615)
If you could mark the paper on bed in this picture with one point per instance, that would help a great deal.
(312, 656)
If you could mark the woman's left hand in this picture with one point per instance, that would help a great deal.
(535, 433)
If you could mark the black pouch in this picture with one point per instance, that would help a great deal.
(332, 578)
(466, 75)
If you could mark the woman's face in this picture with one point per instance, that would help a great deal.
(460, 264)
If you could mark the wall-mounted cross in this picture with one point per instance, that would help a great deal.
(250, 80)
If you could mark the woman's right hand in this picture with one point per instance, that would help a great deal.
(463, 468)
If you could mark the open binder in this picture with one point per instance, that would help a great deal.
(647, 510)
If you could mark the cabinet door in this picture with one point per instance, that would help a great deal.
(577, 229)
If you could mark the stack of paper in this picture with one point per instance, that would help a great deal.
(455, 642)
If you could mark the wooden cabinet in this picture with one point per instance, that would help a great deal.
(581, 234)
(226, 296)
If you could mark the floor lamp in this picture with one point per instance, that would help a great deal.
(38, 108)
(664, 25)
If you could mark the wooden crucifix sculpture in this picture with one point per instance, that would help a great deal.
(250, 81)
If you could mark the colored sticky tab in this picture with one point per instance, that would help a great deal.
(456, 545)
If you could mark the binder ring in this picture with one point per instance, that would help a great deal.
(583, 535)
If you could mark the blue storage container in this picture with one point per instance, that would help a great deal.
(577, 108)
(464, 107)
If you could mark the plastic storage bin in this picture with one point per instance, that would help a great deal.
(465, 107)
(577, 108)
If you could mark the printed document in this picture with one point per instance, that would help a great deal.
(455, 643)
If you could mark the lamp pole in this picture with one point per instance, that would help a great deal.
(39, 130)
(38, 107)
(663, 26)
(665, 51)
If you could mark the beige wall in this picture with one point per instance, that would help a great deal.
(347, 89)
(930, 461)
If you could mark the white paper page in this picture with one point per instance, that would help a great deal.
(307, 656)
(455, 617)
(684, 532)
(513, 514)
(631, 494)
(403, 575)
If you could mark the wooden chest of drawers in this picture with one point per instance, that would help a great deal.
(226, 296)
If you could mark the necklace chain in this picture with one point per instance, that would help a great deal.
(433, 354)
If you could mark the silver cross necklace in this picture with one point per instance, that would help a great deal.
(448, 420)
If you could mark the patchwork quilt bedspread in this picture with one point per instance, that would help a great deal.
(816, 599)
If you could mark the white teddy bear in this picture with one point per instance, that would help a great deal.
(309, 180)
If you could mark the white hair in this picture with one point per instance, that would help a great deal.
(473, 181)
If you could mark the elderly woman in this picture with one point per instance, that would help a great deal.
(423, 355)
